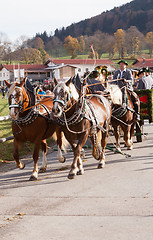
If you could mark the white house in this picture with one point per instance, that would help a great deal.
(4, 75)
(61, 71)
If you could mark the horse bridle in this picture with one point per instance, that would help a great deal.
(63, 102)
(19, 104)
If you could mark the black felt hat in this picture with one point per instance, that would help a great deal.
(147, 69)
(141, 71)
(123, 61)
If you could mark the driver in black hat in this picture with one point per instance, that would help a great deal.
(125, 80)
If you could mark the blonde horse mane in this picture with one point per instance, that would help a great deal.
(115, 94)
(11, 89)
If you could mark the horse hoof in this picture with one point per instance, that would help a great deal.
(130, 147)
(42, 170)
(101, 165)
(33, 178)
(71, 176)
(22, 166)
(80, 172)
(62, 159)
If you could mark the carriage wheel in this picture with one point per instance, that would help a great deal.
(139, 130)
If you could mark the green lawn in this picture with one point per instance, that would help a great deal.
(4, 106)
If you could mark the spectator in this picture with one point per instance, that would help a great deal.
(3, 92)
(41, 92)
(144, 82)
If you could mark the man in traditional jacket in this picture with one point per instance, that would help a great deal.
(148, 79)
(125, 80)
(144, 82)
(141, 83)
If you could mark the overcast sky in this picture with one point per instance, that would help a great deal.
(28, 17)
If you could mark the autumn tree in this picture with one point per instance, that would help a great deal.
(82, 44)
(5, 47)
(71, 45)
(31, 56)
(100, 42)
(119, 39)
(37, 43)
(21, 42)
(134, 41)
(109, 46)
(44, 55)
(55, 47)
(149, 42)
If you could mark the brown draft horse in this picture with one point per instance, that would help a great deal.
(31, 124)
(81, 118)
(122, 117)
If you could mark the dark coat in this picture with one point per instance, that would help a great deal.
(97, 87)
(141, 84)
(127, 74)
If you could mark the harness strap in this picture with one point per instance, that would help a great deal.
(13, 106)
(60, 101)
(47, 110)
(93, 112)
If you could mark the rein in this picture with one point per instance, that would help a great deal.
(109, 81)
(37, 104)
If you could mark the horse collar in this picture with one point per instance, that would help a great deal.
(77, 116)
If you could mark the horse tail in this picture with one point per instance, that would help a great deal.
(65, 143)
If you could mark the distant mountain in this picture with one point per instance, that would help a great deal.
(137, 13)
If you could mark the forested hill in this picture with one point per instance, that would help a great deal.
(137, 13)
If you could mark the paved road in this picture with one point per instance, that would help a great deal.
(110, 204)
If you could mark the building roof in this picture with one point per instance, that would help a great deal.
(82, 61)
(29, 67)
(140, 63)
(59, 66)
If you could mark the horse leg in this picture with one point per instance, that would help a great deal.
(44, 156)
(17, 146)
(34, 175)
(117, 137)
(59, 134)
(131, 136)
(127, 138)
(77, 162)
(103, 144)
(80, 166)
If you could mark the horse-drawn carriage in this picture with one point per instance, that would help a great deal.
(146, 110)
(83, 116)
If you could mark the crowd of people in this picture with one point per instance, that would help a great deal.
(145, 79)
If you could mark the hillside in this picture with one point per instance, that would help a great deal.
(137, 13)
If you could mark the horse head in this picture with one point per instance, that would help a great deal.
(66, 95)
(115, 94)
(18, 98)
